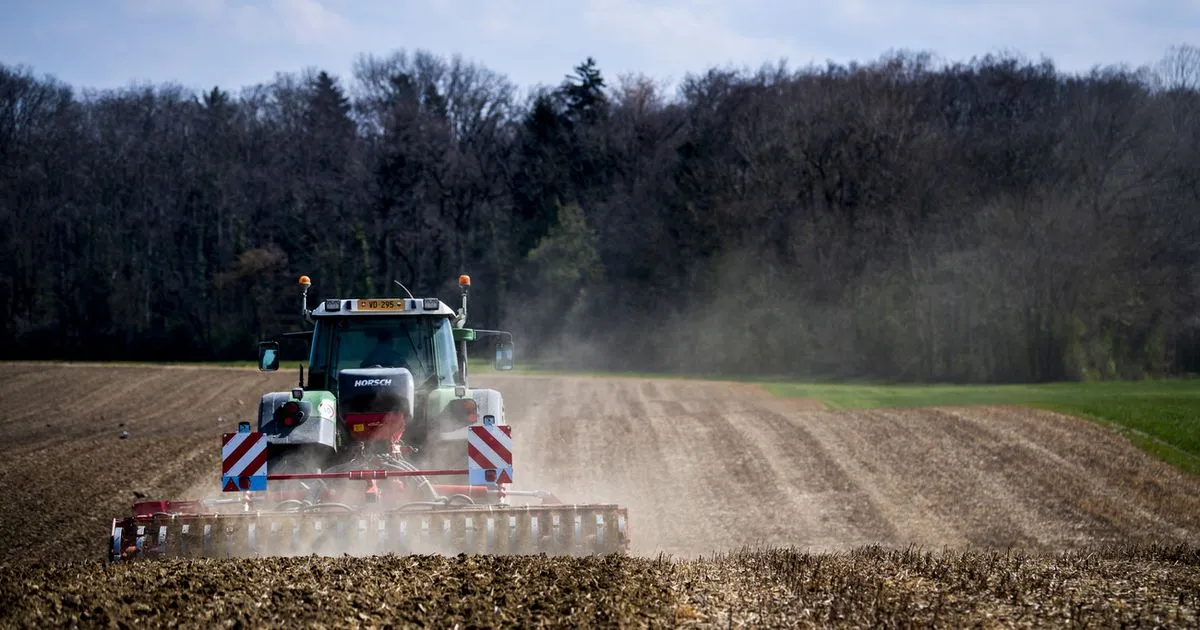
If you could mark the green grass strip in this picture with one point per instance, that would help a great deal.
(1161, 416)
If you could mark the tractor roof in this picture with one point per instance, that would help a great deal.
(350, 307)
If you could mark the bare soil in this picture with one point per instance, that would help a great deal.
(706, 467)
(65, 470)
(1015, 517)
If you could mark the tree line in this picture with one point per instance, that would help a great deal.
(994, 220)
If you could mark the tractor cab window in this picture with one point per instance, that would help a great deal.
(417, 343)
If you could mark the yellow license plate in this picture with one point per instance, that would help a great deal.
(381, 305)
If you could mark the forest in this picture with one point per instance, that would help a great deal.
(902, 219)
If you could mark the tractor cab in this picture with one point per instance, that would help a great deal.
(349, 334)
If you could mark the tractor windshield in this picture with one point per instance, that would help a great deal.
(424, 345)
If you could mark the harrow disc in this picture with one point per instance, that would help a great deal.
(575, 530)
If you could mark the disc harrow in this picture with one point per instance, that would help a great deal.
(571, 530)
(361, 512)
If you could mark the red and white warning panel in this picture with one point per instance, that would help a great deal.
(489, 454)
(243, 461)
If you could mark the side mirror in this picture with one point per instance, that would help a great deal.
(268, 356)
(504, 355)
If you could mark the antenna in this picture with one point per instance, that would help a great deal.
(410, 295)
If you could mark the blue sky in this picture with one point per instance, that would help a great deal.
(233, 43)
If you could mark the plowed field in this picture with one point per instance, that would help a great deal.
(1049, 519)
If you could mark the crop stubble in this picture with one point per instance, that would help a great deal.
(869, 586)
(704, 468)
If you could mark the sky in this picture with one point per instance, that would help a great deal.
(234, 43)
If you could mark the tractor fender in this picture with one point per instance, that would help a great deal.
(489, 402)
(315, 429)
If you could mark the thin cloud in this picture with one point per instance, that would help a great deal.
(679, 39)
(207, 9)
(539, 41)
(310, 22)
(304, 22)
(1075, 34)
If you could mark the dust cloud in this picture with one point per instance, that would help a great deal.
(707, 467)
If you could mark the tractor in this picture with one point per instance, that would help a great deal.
(384, 448)
(396, 369)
